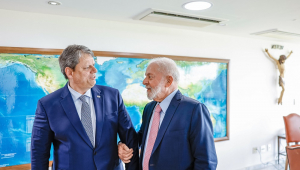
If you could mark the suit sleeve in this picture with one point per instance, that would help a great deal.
(201, 139)
(41, 140)
(128, 134)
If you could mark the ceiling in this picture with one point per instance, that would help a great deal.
(244, 17)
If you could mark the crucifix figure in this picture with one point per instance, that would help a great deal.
(281, 68)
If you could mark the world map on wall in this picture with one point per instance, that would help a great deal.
(24, 79)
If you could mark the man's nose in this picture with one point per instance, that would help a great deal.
(144, 81)
(94, 69)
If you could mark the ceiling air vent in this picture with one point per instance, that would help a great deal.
(164, 17)
(275, 33)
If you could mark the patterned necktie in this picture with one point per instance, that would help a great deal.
(152, 137)
(86, 119)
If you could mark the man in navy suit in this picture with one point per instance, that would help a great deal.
(176, 131)
(81, 120)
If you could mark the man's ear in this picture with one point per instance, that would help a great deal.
(169, 81)
(69, 72)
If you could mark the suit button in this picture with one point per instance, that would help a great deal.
(151, 164)
(95, 153)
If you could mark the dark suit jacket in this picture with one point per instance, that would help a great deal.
(57, 122)
(185, 138)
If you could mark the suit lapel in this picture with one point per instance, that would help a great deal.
(167, 119)
(69, 107)
(98, 99)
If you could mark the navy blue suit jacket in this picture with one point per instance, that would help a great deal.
(57, 122)
(185, 138)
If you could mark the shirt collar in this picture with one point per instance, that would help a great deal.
(76, 95)
(166, 102)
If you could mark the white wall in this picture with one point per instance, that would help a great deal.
(255, 118)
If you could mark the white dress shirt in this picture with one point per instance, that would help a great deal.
(78, 104)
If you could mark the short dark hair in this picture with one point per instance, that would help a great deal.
(70, 57)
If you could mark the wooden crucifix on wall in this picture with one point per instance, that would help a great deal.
(280, 65)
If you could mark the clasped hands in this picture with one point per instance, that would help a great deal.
(125, 154)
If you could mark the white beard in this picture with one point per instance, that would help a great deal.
(154, 91)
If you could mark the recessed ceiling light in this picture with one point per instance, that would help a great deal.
(53, 3)
(197, 5)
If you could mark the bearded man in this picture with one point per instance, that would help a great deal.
(176, 132)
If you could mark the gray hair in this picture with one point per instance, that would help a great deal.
(70, 57)
(167, 66)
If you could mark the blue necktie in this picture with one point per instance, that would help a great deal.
(86, 119)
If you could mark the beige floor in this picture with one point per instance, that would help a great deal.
(274, 167)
